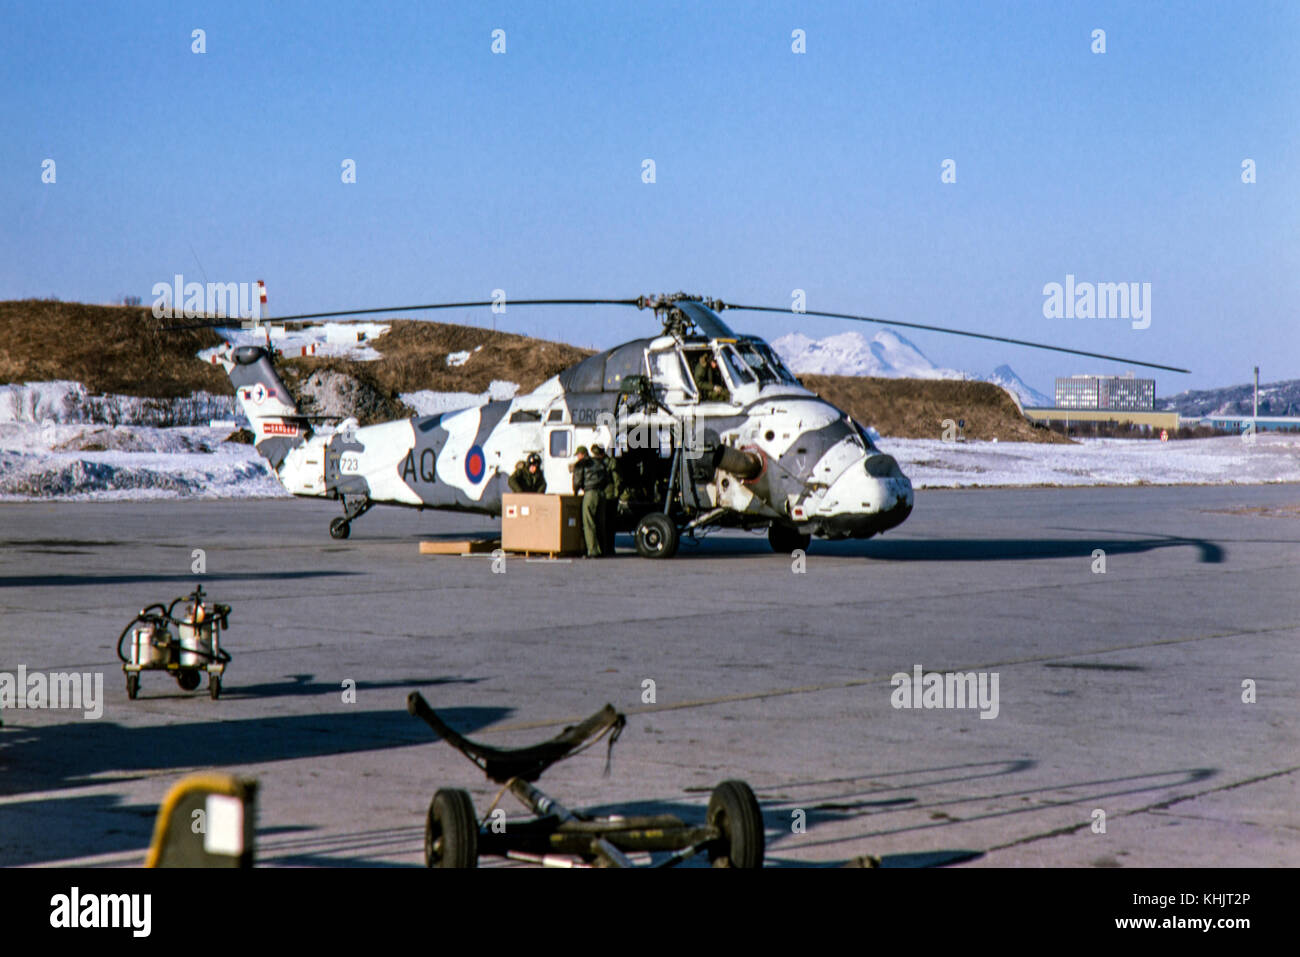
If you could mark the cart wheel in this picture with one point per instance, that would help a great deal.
(188, 680)
(132, 684)
(656, 536)
(451, 830)
(784, 539)
(734, 811)
(340, 528)
(214, 686)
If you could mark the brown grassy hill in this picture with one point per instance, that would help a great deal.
(414, 356)
(121, 349)
(916, 408)
(117, 349)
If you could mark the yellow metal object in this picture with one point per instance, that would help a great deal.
(192, 786)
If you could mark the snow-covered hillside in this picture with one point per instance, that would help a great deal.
(63, 402)
(78, 462)
(887, 355)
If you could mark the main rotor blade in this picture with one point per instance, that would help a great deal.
(234, 320)
(962, 332)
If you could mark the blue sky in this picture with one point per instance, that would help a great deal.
(774, 171)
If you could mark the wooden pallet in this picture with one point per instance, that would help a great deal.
(480, 546)
(527, 553)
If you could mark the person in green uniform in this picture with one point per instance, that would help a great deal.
(590, 476)
(608, 496)
(527, 476)
(709, 380)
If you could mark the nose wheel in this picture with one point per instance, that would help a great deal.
(340, 528)
(785, 540)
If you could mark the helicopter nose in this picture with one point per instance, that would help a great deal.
(877, 486)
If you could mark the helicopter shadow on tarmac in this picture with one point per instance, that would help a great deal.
(901, 549)
(138, 578)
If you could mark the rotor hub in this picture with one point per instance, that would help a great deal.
(676, 323)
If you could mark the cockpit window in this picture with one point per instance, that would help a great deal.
(706, 374)
(764, 362)
(669, 369)
(863, 435)
(741, 372)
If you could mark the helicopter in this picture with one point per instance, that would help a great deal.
(706, 428)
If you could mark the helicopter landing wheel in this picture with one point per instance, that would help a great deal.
(340, 528)
(656, 536)
(132, 685)
(784, 539)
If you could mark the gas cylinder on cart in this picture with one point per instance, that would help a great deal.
(151, 646)
(195, 636)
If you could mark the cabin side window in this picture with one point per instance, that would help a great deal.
(561, 441)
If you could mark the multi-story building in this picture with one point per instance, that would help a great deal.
(1118, 393)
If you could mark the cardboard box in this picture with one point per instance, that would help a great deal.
(549, 524)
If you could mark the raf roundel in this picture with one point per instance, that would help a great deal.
(475, 464)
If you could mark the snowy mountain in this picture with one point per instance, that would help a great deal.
(887, 355)
(1006, 377)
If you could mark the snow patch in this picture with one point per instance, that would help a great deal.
(460, 358)
(1226, 460)
(126, 462)
(61, 401)
(428, 402)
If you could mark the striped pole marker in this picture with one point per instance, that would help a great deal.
(262, 314)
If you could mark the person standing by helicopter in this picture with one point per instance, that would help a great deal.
(590, 476)
(527, 476)
(608, 497)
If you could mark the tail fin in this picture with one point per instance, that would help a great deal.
(277, 424)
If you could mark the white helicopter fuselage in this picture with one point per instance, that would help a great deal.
(757, 449)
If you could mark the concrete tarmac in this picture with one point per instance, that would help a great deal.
(1119, 694)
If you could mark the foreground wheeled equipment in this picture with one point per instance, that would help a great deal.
(558, 837)
(227, 807)
(194, 647)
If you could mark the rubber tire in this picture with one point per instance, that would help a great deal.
(340, 528)
(656, 536)
(133, 685)
(785, 540)
(451, 817)
(734, 810)
(188, 680)
(214, 687)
